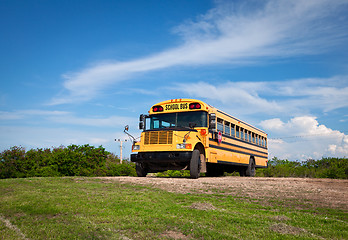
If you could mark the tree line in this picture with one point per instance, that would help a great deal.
(86, 160)
(323, 168)
(73, 160)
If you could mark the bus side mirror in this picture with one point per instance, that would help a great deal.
(212, 121)
(142, 118)
(126, 128)
(142, 121)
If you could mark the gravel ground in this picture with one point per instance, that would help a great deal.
(301, 192)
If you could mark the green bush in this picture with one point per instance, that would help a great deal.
(48, 171)
(174, 173)
(11, 163)
(88, 160)
(39, 162)
(73, 160)
(124, 169)
(332, 168)
(324, 168)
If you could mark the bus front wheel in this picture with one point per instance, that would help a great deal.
(195, 164)
(140, 169)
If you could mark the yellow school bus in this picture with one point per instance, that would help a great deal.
(189, 134)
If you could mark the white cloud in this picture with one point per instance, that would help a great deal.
(242, 97)
(21, 114)
(230, 33)
(46, 137)
(274, 124)
(113, 121)
(67, 118)
(36, 128)
(292, 97)
(9, 116)
(303, 137)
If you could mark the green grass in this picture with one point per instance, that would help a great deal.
(89, 208)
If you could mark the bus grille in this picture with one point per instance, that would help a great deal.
(159, 137)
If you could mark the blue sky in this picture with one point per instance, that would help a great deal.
(76, 72)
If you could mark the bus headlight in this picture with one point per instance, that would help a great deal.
(136, 147)
(181, 146)
(184, 146)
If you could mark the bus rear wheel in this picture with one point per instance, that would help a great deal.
(251, 169)
(195, 164)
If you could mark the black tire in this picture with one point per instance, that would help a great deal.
(251, 170)
(139, 168)
(195, 164)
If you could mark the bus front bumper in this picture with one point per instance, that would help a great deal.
(162, 157)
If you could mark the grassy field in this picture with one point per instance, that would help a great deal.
(91, 208)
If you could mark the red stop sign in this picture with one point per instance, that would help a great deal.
(219, 137)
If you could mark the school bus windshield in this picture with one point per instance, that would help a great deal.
(177, 120)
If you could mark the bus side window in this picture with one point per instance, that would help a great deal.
(253, 137)
(242, 133)
(232, 130)
(227, 128)
(237, 132)
(220, 126)
(147, 123)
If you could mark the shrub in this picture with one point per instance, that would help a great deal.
(124, 169)
(12, 163)
(48, 171)
(88, 160)
(38, 162)
(324, 168)
(73, 160)
(332, 168)
(174, 173)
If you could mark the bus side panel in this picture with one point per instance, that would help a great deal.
(219, 155)
(246, 159)
(261, 162)
(213, 157)
(235, 154)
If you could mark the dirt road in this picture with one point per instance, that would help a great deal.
(299, 192)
